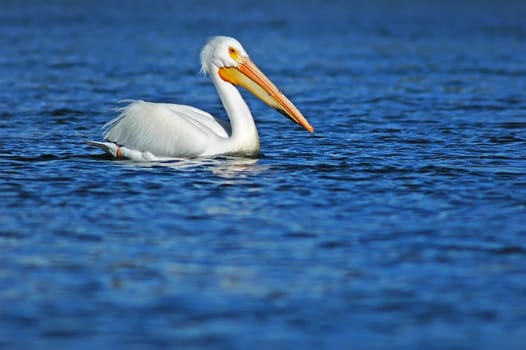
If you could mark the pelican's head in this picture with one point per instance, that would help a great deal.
(227, 58)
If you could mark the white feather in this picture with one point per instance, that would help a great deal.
(163, 129)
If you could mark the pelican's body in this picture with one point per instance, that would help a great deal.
(149, 131)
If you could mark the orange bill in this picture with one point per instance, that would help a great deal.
(248, 75)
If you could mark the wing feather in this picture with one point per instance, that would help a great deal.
(164, 129)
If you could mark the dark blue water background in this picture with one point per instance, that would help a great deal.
(401, 223)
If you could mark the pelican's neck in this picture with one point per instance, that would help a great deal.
(244, 136)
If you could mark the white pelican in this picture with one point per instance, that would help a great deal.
(152, 131)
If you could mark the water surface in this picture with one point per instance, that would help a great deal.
(399, 223)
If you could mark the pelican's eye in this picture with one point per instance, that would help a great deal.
(234, 53)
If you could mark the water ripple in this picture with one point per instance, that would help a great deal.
(400, 221)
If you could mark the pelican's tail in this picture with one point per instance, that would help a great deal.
(109, 147)
(121, 152)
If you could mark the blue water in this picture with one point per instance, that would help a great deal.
(400, 223)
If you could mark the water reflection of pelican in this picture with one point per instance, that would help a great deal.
(223, 166)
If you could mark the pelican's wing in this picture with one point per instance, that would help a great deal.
(163, 129)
